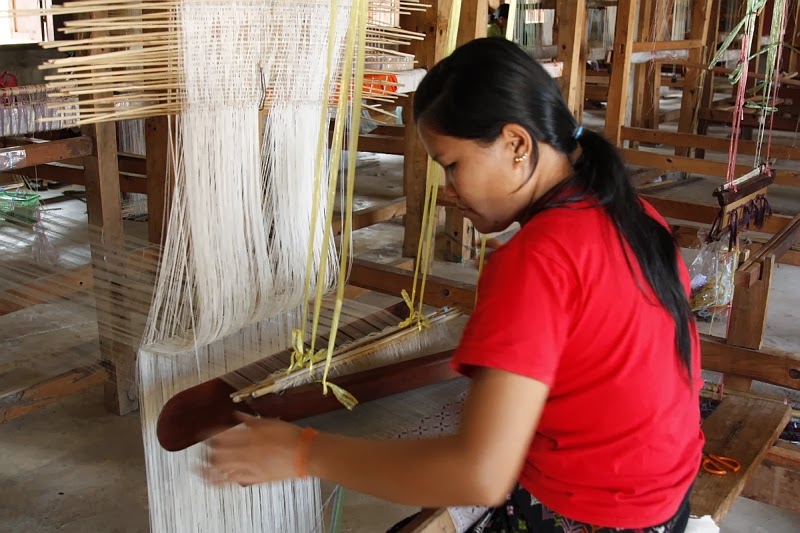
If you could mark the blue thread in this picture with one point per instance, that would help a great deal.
(578, 133)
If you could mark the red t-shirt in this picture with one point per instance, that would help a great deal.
(619, 441)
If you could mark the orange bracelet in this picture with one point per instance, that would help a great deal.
(307, 436)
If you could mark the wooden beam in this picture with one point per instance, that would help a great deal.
(373, 215)
(43, 394)
(30, 155)
(698, 166)
(705, 214)
(770, 366)
(617, 106)
(381, 144)
(778, 123)
(665, 46)
(439, 292)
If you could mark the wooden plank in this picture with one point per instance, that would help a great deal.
(678, 209)
(698, 166)
(40, 153)
(695, 77)
(571, 52)
(664, 46)
(617, 106)
(43, 394)
(770, 366)
(743, 428)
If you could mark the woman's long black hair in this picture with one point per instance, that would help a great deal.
(491, 82)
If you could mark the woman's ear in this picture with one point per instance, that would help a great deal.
(518, 142)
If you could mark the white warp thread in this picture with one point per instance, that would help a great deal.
(179, 500)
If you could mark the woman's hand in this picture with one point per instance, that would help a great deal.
(261, 451)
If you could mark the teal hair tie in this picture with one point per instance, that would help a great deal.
(578, 133)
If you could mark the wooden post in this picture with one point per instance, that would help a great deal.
(432, 22)
(571, 52)
(104, 209)
(159, 176)
(748, 317)
(690, 104)
(459, 233)
(643, 105)
(620, 71)
(707, 98)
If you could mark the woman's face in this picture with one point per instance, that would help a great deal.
(491, 183)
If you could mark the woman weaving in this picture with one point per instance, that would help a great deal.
(583, 359)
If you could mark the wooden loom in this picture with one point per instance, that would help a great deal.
(716, 351)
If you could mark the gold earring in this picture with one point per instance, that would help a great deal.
(521, 158)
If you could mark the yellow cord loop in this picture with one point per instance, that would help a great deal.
(433, 178)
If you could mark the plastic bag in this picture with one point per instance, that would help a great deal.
(712, 276)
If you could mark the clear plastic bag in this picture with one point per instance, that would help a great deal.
(712, 277)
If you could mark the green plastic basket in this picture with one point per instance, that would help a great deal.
(19, 206)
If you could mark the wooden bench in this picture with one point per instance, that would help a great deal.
(742, 427)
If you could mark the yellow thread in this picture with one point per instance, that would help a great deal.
(298, 345)
(338, 132)
(432, 180)
(355, 126)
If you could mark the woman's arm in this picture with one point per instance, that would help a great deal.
(476, 466)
